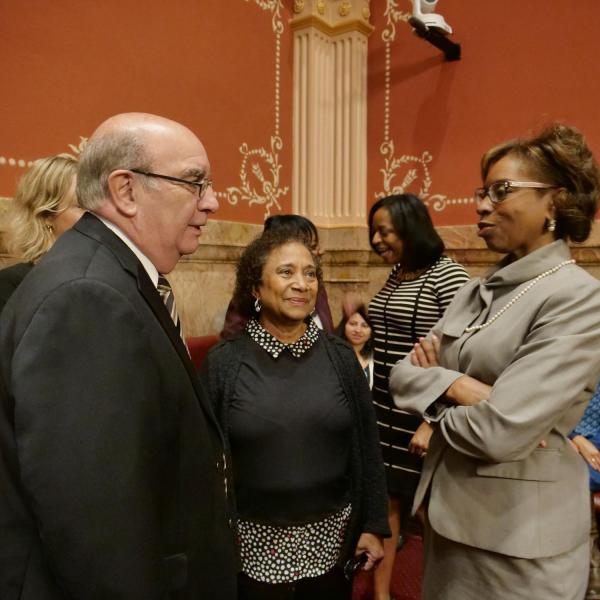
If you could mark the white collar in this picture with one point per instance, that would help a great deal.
(146, 262)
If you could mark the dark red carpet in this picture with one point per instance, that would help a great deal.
(406, 579)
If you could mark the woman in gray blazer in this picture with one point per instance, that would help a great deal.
(504, 377)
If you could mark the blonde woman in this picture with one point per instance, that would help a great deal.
(43, 208)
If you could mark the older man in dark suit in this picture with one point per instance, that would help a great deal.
(113, 482)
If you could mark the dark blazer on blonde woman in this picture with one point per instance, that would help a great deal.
(10, 279)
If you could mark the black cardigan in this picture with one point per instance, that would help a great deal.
(368, 491)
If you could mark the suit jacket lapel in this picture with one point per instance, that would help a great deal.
(92, 226)
(152, 297)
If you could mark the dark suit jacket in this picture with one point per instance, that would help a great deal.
(10, 279)
(111, 472)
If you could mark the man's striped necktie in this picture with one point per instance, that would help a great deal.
(166, 293)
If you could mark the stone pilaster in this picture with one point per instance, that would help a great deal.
(330, 110)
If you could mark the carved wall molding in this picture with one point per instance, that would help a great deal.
(334, 13)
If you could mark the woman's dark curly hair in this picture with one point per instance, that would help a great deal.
(340, 330)
(560, 156)
(252, 262)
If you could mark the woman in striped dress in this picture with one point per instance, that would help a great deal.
(419, 288)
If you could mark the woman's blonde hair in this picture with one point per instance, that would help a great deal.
(39, 194)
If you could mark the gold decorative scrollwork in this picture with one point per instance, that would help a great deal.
(345, 8)
(79, 147)
(321, 7)
(298, 6)
(22, 163)
(418, 169)
(392, 164)
(393, 15)
(261, 190)
(260, 168)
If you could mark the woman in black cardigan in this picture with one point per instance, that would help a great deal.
(296, 411)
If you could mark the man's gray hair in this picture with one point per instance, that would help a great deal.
(100, 157)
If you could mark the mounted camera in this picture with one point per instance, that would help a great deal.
(432, 27)
(423, 11)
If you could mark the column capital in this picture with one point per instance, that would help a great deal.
(332, 16)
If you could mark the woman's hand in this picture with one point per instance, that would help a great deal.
(590, 453)
(372, 546)
(467, 391)
(425, 352)
(420, 440)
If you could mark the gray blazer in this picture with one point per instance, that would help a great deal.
(491, 486)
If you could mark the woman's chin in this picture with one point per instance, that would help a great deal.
(500, 248)
(298, 315)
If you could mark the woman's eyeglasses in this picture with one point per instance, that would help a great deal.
(498, 191)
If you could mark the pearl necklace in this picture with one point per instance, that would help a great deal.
(519, 295)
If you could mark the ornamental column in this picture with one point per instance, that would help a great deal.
(330, 110)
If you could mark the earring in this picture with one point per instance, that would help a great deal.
(49, 227)
(552, 225)
(257, 305)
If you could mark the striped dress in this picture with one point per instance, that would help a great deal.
(401, 312)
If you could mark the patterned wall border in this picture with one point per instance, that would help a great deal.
(22, 163)
(264, 189)
(415, 166)
(260, 167)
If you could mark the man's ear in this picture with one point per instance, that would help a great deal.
(122, 194)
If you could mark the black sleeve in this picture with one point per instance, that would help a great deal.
(88, 428)
(373, 486)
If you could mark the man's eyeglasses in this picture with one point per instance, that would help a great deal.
(197, 186)
(498, 191)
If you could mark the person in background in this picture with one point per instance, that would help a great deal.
(504, 377)
(43, 208)
(418, 290)
(586, 440)
(357, 330)
(111, 459)
(299, 423)
(294, 224)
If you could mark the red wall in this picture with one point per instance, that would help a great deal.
(211, 64)
(524, 63)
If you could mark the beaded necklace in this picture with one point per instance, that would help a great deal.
(519, 295)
